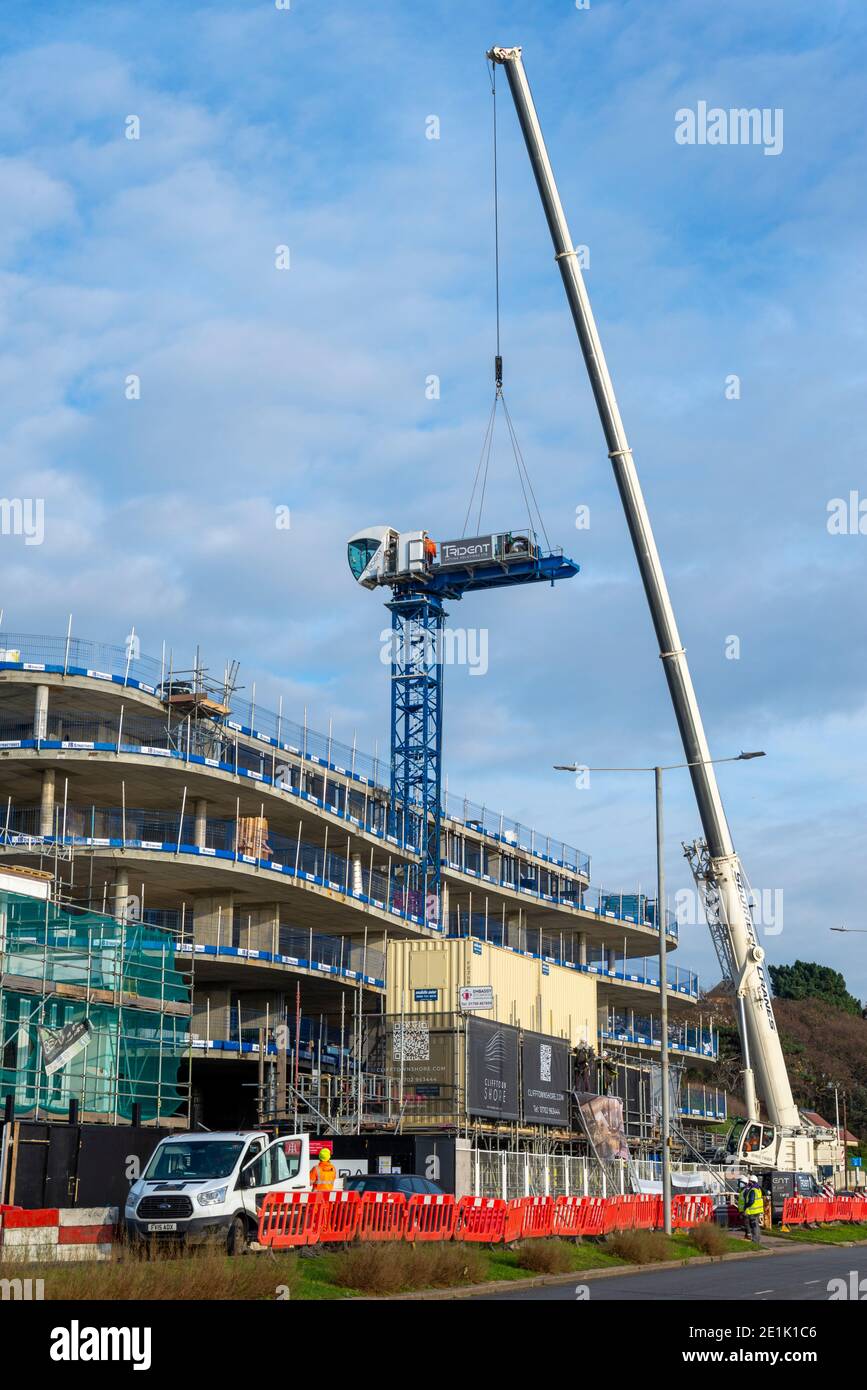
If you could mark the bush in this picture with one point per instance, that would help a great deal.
(392, 1267)
(171, 1275)
(373, 1268)
(639, 1247)
(547, 1256)
(709, 1239)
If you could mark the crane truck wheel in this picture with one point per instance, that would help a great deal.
(237, 1242)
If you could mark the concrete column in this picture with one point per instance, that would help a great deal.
(612, 958)
(200, 811)
(582, 948)
(260, 926)
(46, 804)
(120, 894)
(212, 918)
(40, 712)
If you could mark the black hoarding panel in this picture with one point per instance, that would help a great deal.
(545, 1064)
(492, 1064)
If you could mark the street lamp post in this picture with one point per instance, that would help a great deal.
(661, 924)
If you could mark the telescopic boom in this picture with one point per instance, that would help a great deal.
(722, 878)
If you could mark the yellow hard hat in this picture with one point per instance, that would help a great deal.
(325, 1153)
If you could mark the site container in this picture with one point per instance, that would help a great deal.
(426, 977)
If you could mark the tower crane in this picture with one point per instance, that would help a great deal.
(788, 1142)
(423, 575)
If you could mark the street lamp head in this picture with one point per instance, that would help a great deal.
(745, 757)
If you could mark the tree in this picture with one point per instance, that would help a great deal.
(807, 980)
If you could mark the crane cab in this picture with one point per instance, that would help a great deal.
(752, 1144)
(381, 555)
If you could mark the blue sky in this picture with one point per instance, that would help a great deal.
(306, 388)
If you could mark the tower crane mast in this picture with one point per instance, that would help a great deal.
(722, 884)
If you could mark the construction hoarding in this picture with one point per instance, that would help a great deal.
(545, 1081)
(492, 1070)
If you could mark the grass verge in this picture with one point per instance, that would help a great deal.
(824, 1235)
(378, 1269)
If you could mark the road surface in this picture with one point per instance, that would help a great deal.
(801, 1275)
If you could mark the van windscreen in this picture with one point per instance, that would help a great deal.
(193, 1159)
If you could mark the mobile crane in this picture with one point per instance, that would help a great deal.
(788, 1143)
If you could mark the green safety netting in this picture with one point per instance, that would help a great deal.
(138, 1041)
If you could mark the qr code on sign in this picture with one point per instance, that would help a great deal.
(544, 1062)
(411, 1042)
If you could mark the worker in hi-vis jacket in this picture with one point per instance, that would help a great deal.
(324, 1174)
(751, 1207)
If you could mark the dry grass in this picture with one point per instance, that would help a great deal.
(206, 1274)
(393, 1268)
(639, 1247)
(709, 1238)
(547, 1256)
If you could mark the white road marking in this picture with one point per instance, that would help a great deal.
(761, 1291)
(812, 1281)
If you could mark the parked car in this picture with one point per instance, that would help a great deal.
(210, 1186)
(409, 1184)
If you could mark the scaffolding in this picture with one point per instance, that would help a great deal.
(116, 987)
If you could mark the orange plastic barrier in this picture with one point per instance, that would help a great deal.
(795, 1211)
(287, 1219)
(567, 1216)
(689, 1210)
(514, 1220)
(620, 1213)
(537, 1216)
(383, 1216)
(648, 1212)
(592, 1220)
(430, 1217)
(482, 1219)
(341, 1215)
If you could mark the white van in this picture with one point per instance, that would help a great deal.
(198, 1187)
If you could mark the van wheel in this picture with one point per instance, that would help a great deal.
(236, 1240)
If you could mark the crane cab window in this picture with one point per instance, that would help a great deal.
(360, 555)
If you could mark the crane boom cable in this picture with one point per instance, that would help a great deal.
(484, 458)
(480, 478)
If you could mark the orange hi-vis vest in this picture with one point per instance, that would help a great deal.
(323, 1176)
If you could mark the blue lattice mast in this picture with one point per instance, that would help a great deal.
(417, 621)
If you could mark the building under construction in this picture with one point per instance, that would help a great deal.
(183, 829)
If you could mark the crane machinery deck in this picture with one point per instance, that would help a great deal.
(789, 1142)
(422, 575)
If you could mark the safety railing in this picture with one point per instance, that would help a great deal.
(126, 666)
(564, 949)
(206, 745)
(589, 899)
(646, 1031)
(248, 841)
(704, 1102)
